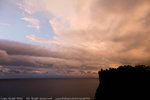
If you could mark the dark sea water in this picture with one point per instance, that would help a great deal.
(48, 88)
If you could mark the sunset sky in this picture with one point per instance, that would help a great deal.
(72, 38)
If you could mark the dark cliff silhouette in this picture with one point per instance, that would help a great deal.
(124, 82)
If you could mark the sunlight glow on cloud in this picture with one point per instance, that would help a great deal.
(33, 23)
(33, 38)
(97, 27)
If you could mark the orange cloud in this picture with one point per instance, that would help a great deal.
(95, 32)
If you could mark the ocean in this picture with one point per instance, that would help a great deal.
(48, 89)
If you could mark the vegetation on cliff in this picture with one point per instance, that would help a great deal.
(124, 82)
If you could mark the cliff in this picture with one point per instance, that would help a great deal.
(125, 82)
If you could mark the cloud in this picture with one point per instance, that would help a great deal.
(33, 23)
(24, 49)
(88, 33)
(107, 32)
(3, 56)
(19, 58)
(23, 7)
(33, 38)
(17, 48)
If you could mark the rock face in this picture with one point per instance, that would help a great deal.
(125, 82)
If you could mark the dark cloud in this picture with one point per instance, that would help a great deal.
(18, 58)
(16, 48)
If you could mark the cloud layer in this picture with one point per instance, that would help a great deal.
(24, 59)
(117, 31)
(89, 35)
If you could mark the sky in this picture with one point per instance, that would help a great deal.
(72, 38)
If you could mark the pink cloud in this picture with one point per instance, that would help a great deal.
(33, 23)
(40, 40)
(24, 8)
(101, 32)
